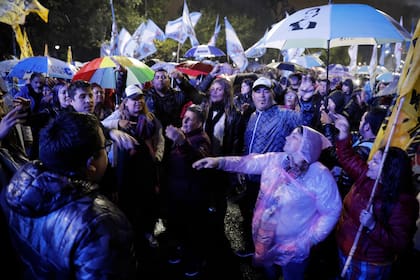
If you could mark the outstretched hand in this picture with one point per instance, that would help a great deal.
(12, 118)
(208, 162)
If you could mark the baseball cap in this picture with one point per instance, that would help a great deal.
(262, 82)
(132, 91)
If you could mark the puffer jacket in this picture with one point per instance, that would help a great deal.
(382, 244)
(62, 228)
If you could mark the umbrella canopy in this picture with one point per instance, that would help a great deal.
(308, 61)
(194, 68)
(7, 65)
(51, 67)
(101, 70)
(202, 51)
(335, 25)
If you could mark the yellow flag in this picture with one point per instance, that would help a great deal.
(23, 42)
(46, 49)
(408, 89)
(13, 12)
(69, 55)
(35, 7)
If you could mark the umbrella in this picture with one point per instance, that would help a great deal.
(335, 25)
(308, 61)
(7, 65)
(202, 51)
(286, 66)
(51, 67)
(364, 70)
(194, 68)
(102, 70)
(168, 66)
(386, 77)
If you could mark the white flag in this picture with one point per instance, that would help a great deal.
(154, 30)
(135, 41)
(385, 51)
(213, 39)
(123, 38)
(188, 26)
(372, 66)
(234, 47)
(174, 29)
(398, 51)
(352, 51)
(257, 50)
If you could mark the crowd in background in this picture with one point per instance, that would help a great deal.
(291, 149)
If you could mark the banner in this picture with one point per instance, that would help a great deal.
(234, 47)
(352, 51)
(23, 42)
(14, 12)
(217, 27)
(406, 133)
(175, 31)
(188, 26)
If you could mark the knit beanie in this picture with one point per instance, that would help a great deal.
(339, 100)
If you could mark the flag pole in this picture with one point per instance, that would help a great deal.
(177, 52)
(385, 153)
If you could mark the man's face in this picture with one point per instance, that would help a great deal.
(263, 98)
(83, 101)
(161, 81)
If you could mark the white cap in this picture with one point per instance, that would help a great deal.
(132, 91)
(262, 82)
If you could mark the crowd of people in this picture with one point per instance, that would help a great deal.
(88, 174)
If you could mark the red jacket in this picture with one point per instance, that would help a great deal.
(380, 245)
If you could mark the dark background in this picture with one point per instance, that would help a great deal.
(85, 24)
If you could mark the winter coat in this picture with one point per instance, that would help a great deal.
(382, 244)
(63, 229)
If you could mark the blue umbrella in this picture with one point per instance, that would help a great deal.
(51, 67)
(202, 51)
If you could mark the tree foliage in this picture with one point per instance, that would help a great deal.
(86, 24)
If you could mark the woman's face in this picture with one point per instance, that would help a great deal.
(290, 98)
(99, 95)
(216, 92)
(135, 106)
(63, 97)
(374, 165)
(331, 105)
(245, 88)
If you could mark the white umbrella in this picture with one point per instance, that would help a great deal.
(308, 61)
(7, 65)
(335, 25)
